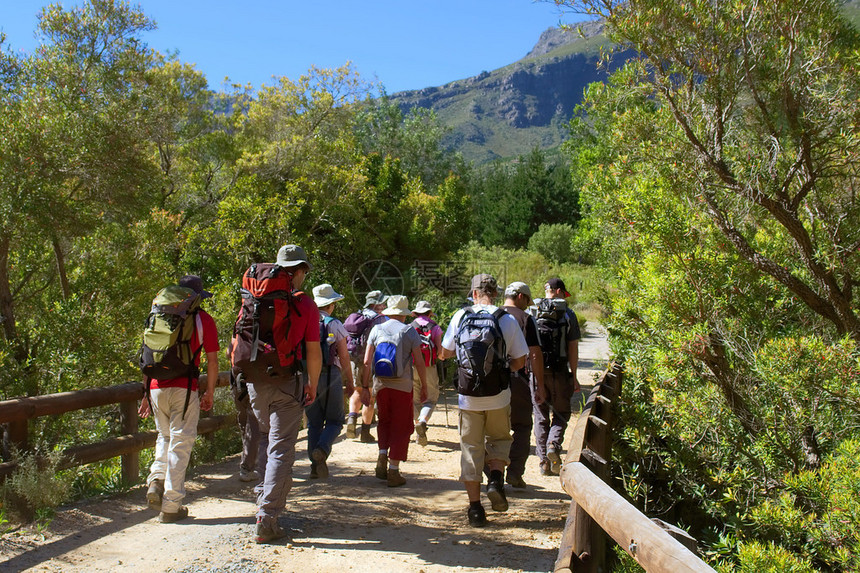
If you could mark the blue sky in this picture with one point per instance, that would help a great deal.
(403, 44)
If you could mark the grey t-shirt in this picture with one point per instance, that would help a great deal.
(409, 339)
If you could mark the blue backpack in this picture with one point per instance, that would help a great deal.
(386, 354)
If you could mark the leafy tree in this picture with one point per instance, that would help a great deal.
(74, 158)
(304, 165)
(414, 138)
(515, 200)
(720, 167)
(762, 100)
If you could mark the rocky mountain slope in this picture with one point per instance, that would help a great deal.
(507, 112)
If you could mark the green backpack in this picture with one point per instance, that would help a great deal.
(166, 349)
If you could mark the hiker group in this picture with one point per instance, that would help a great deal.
(291, 358)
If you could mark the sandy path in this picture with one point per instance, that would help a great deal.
(350, 522)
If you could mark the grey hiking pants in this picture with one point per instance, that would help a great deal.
(521, 422)
(248, 427)
(278, 409)
(552, 416)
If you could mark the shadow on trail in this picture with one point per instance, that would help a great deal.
(118, 517)
(432, 545)
(429, 516)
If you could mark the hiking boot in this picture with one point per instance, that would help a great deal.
(313, 474)
(320, 457)
(394, 478)
(178, 515)
(248, 475)
(154, 493)
(382, 466)
(421, 430)
(496, 495)
(477, 516)
(365, 435)
(350, 426)
(516, 481)
(268, 531)
(545, 469)
(554, 458)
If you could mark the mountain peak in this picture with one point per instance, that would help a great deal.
(553, 38)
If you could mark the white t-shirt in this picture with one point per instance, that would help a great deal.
(515, 344)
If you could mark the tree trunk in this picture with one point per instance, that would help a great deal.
(61, 268)
(809, 443)
(7, 305)
(715, 359)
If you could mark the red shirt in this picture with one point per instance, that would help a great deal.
(305, 324)
(210, 344)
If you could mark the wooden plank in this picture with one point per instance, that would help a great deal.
(53, 404)
(652, 547)
(16, 437)
(105, 450)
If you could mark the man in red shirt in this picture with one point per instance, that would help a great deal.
(177, 427)
(278, 402)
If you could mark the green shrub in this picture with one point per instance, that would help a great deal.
(37, 485)
(757, 557)
(553, 242)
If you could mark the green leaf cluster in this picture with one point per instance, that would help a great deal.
(121, 171)
(717, 173)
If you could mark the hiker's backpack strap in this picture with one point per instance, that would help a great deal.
(193, 366)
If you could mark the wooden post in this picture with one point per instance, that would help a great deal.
(131, 460)
(16, 437)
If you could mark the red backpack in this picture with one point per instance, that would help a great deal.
(428, 349)
(259, 345)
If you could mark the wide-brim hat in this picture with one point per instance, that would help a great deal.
(374, 297)
(290, 256)
(325, 294)
(397, 305)
(423, 307)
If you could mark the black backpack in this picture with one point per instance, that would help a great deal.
(481, 354)
(552, 323)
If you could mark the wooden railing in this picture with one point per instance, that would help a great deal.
(597, 510)
(16, 413)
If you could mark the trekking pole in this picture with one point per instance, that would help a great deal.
(441, 368)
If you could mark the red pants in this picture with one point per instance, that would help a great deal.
(394, 425)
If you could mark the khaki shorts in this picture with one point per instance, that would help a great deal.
(432, 385)
(484, 435)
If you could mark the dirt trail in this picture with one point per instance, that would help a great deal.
(350, 522)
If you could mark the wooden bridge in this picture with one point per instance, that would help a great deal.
(597, 515)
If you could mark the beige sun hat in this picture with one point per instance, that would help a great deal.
(325, 294)
(423, 307)
(398, 305)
